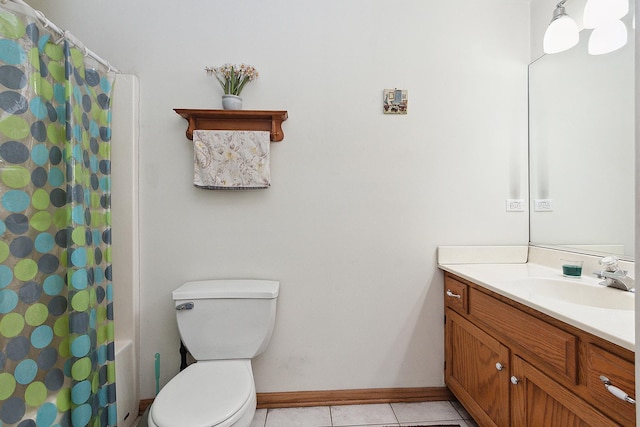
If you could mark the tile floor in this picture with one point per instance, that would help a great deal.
(386, 414)
(393, 414)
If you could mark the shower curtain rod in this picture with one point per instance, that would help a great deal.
(64, 34)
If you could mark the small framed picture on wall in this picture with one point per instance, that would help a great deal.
(395, 101)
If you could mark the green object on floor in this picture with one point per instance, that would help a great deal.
(157, 373)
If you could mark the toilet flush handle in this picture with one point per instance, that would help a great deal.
(185, 306)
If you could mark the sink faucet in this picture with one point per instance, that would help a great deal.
(613, 276)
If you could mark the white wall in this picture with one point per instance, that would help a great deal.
(637, 211)
(359, 201)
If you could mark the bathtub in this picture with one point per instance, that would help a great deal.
(126, 383)
(126, 250)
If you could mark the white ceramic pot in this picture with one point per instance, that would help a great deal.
(231, 102)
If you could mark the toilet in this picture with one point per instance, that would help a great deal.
(223, 324)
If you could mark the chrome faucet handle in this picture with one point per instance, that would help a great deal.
(610, 263)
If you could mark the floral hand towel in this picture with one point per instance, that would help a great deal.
(231, 160)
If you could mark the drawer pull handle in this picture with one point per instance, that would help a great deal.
(452, 295)
(616, 391)
(499, 366)
(514, 380)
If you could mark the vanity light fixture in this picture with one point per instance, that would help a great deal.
(562, 33)
(603, 16)
(602, 12)
(609, 32)
(607, 37)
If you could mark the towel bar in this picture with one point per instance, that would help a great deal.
(270, 121)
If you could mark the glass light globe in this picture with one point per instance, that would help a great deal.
(600, 12)
(607, 38)
(561, 34)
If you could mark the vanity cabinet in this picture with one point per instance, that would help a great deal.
(511, 365)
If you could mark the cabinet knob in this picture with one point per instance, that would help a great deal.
(514, 380)
(616, 391)
(452, 295)
(499, 366)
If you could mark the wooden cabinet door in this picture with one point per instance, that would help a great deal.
(537, 400)
(476, 371)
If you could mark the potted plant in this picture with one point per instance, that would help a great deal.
(233, 78)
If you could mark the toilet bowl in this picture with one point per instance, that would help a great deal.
(207, 394)
(223, 324)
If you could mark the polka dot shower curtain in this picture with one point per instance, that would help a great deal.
(56, 315)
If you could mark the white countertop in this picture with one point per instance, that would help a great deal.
(617, 326)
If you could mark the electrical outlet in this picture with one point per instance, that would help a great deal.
(515, 205)
(543, 205)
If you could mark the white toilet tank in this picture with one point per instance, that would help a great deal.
(226, 319)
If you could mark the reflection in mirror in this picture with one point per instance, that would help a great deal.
(581, 131)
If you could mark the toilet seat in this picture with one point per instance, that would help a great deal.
(205, 394)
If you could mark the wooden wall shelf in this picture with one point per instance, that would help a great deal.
(270, 121)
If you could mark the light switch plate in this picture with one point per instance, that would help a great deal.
(543, 205)
(515, 205)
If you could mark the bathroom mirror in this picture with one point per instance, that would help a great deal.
(581, 150)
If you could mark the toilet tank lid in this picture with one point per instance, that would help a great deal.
(227, 288)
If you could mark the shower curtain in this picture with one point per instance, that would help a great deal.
(56, 313)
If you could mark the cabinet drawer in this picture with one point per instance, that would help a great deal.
(455, 294)
(554, 350)
(620, 373)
